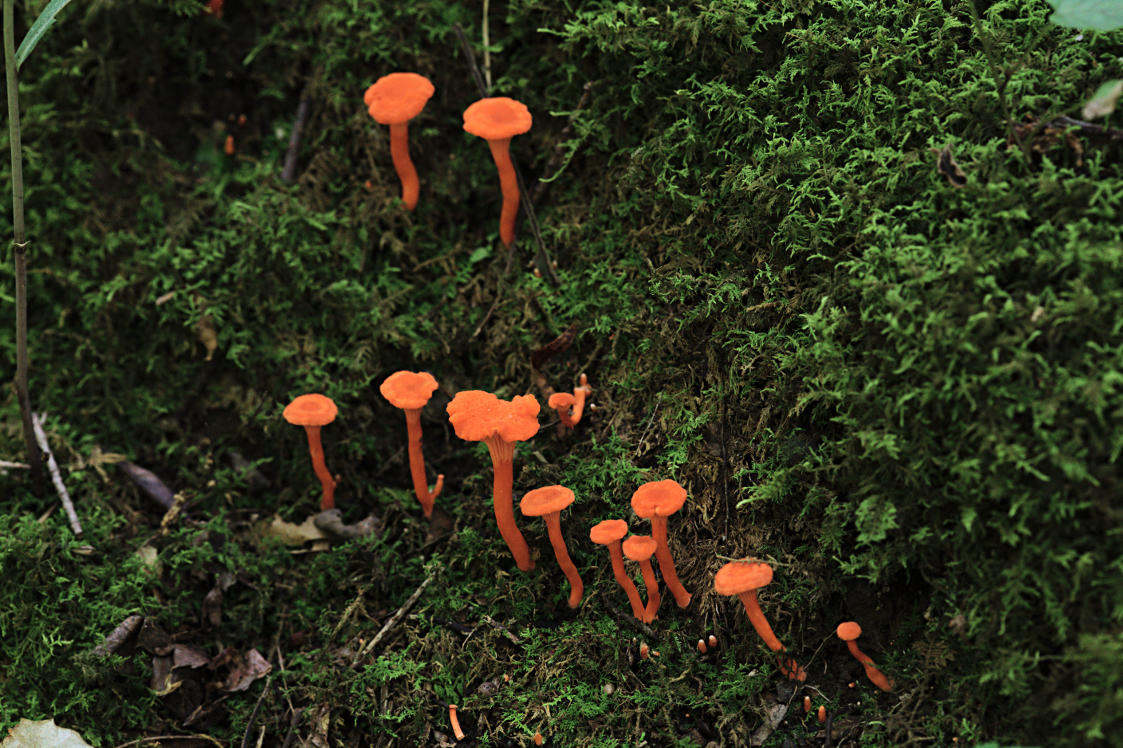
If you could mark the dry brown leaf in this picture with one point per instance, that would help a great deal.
(289, 534)
(247, 668)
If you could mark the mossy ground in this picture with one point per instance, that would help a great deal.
(903, 394)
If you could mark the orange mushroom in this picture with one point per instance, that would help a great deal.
(656, 501)
(639, 548)
(410, 391)
(610, 532)
(547, 503)
(394, 100)
(744, 578)
(570, 407)
(312, 412)
(481, 416)
(497, 120)
(849, 631)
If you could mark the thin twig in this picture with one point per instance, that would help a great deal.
(296, 715)
(155, 739)
(8, 465)
(288, 173)
(254, 713)
(1091, 127)
(56, 476)
(541, 259)
(394, 620)
(487, 43)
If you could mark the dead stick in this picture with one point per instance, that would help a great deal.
(56, 476)
(288, 173)
(394, 620)
(254, 713)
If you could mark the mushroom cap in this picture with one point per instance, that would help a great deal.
(397, 97)
(408, 390)
(741, 576)
(848, 631)
(608, 531)
(310, 410)
(477, 415)
(545, 500)
(660, 498)
(561, 400)
(639, 547)
(497, 118)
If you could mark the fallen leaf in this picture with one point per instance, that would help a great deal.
(330, 521)
(246, 670)
(42, 734)
(1098, 15)
(188, 656)
(164, 678)
(149, 483)
(1103, 101)
(289, 534)
(554, 347)
(946, 165)
(119, 636)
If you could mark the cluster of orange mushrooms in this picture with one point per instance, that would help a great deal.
(501, 424)
(476, 415)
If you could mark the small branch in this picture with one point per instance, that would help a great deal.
(8, 465)
(394, 620)
(254, 713)
(288, 173)
(1088, 127)
(56, 476)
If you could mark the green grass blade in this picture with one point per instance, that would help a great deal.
(38, 29)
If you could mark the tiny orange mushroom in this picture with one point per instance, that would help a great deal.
(848, 632)
(312, 412)
(500, 424)
(609, 533)
(547, 503)
(394, 100)
(454, 722)
(744, 578)
(410, 391)
(639, 548)
(656, 501)
(497, 120)
(571, 407)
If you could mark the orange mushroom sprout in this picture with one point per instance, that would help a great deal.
(609, 533)
(639, 548)
(547, 503)
(410, 391)
(744, 578)
(849, 631)
(656, 501)
(500, 424)
(497, 120)
(394, 100)
(314, 411)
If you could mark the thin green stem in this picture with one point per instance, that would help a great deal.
(20, 246)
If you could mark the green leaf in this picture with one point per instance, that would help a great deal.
(1104, 100)
(38, 29)
(1098, 15)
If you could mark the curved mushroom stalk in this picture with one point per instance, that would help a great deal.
(320, 467)
(639, 548)
(503, 502)
(313, 411)
(609, 533)
(849, 632)
(410, 391)
(571, 407)
(744, 578)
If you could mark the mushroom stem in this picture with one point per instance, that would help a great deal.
(667, 565)
(321, 467)
(417, 464)
(788, 666)
(876, 676)
(399, 152)
(576, 586)
(503, 464)
(617, 555)
(509, 184)
(653, 598)
(457, 732)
